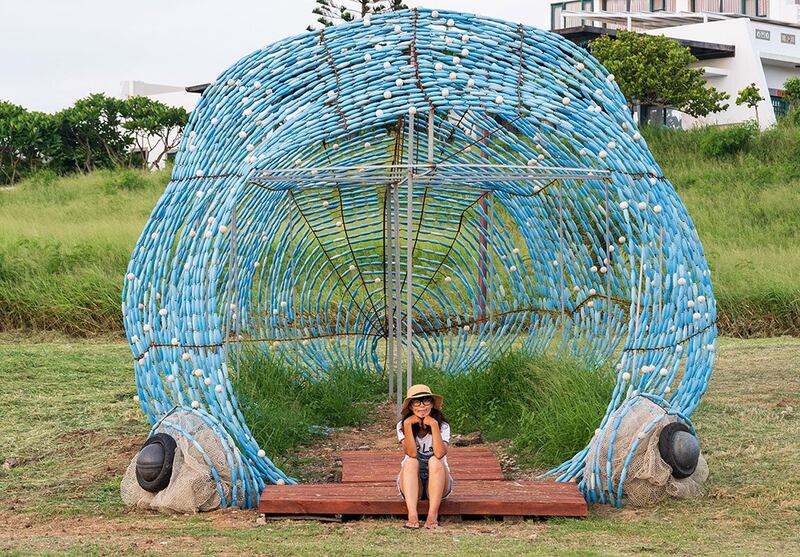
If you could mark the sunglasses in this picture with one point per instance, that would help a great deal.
(421, 402)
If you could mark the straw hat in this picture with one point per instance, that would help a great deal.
(420, 391)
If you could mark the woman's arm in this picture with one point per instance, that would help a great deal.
(409, 444)
(439, 446)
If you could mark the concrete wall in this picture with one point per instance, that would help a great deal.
(729, 74)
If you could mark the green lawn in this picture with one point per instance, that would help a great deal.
(69, 419)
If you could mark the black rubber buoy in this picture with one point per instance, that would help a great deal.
(680, 449)
(154, 463)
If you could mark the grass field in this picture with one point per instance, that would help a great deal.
(746, 208)
(71, 426)
(65, 242)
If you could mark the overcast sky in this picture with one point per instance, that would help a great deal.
(53, 52)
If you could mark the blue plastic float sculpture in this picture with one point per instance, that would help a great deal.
(438, 180)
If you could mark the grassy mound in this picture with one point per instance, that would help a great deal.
(744, 199)
(65, 243)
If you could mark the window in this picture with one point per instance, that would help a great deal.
(556, 21)
(758, 8)
(779, 105)
(662, 5)
(637, 5)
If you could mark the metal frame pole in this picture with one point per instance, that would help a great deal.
(236, 309)
(388, 285)
(609, 241)
(409, 250)
(562, 285)
(396, 368)
(227, 309)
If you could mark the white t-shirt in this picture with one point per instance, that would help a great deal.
(425, 444)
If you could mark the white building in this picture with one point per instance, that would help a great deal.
(171, 95)
(737, 42)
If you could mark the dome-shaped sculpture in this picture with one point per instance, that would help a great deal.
(455, 183)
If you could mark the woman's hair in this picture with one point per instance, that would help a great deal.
(436, 414)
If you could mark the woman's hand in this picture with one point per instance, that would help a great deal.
(412, 419)
(430, 421)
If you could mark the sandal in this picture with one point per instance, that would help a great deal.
(411, 525)
(432, 525)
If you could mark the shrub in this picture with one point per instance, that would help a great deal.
(126, 180)
(42, 178)
(793, 117)
(719, 142)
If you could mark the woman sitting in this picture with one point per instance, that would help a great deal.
(424, 434)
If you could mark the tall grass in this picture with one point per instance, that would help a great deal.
(746, 207)
(284, 408)
(65, 243)
(548, 406)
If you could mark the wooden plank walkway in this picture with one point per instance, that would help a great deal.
(369, 488)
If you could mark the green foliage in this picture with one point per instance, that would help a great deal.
(791, 91)
(655, 71)
(491, 400)
(96, 132)
(27, 141)
(284, 408)
(793, 117)
(91, 134)
(750, 96)
(146, 119)
(126, 180)
(331, 12)
(719, 142)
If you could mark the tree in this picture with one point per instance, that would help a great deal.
(152, 127)
(655, 71)
(92, 135)
(96, 132)
(750, 96)
(791, 91)
(28, 141)
(331, 12)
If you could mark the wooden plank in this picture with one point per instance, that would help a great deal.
(470, 498)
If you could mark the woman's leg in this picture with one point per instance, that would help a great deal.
(409, 486)
(438, 484)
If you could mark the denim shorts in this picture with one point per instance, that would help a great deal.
(423, 476)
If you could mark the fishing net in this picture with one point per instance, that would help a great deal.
(648, 478)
